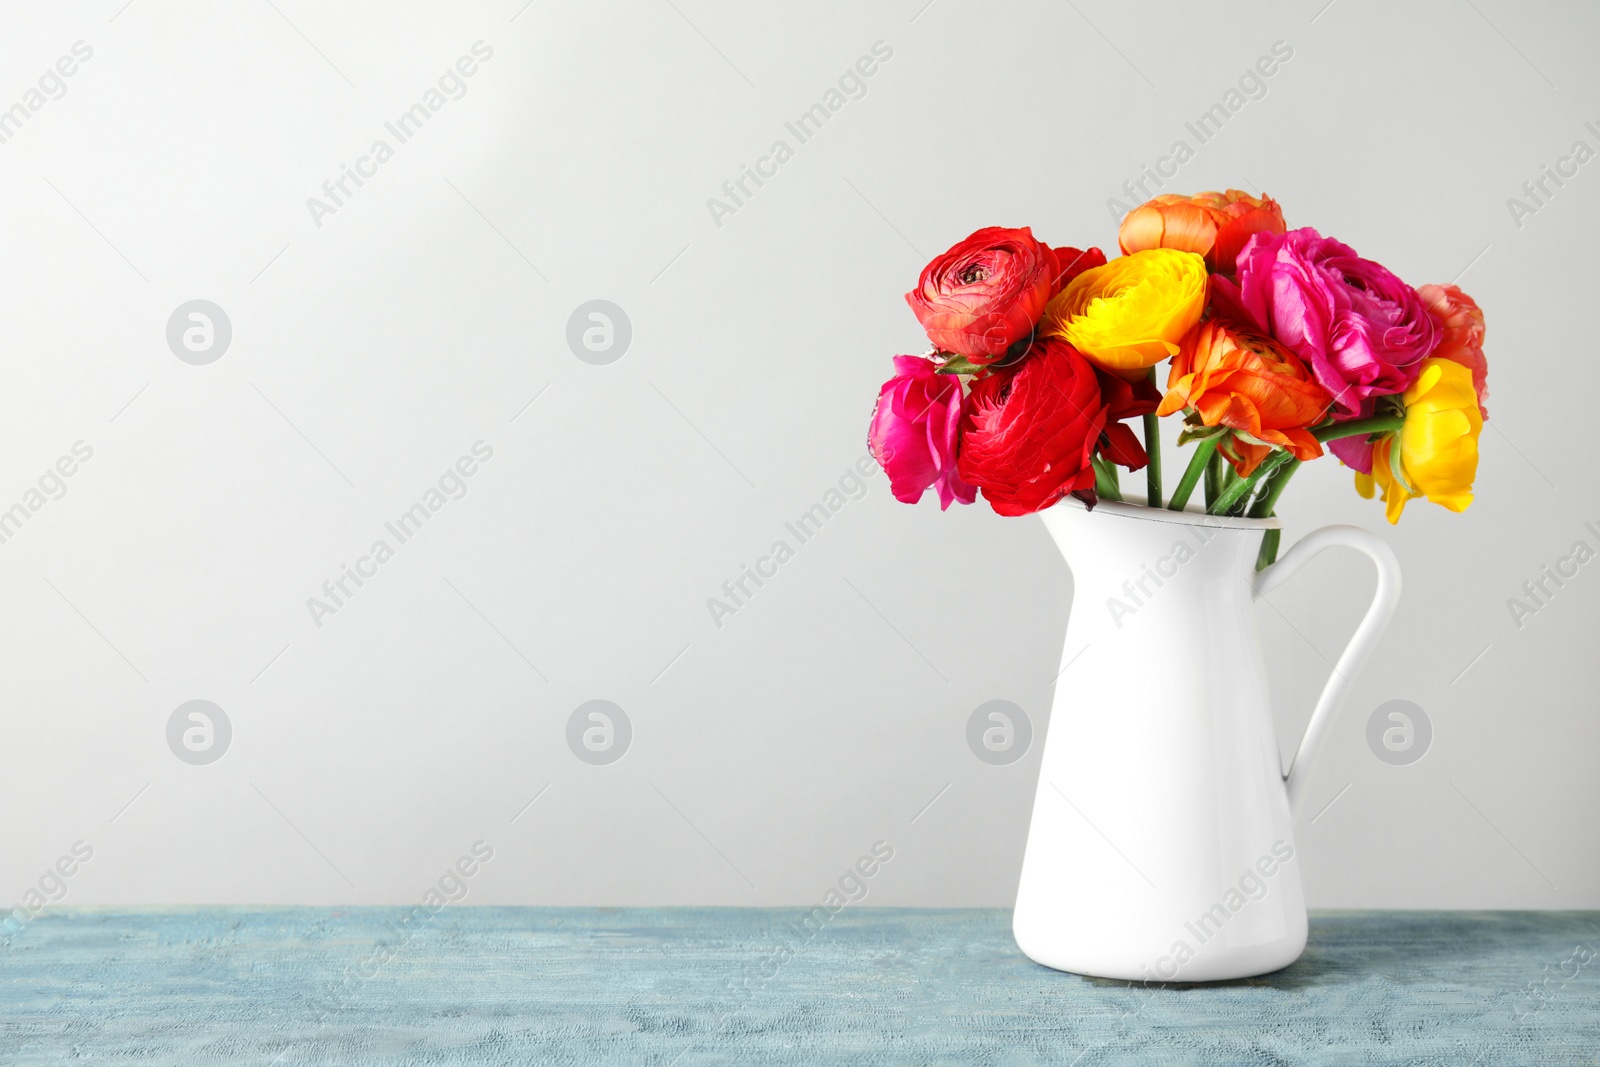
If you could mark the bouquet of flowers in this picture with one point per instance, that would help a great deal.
(1280, 342)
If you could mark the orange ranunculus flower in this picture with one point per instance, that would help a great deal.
(1215, 225)
(1246, 381)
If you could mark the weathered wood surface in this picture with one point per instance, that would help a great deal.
(689, 986)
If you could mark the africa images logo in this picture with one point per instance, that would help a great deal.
(453, 484)
(1251, 886)
(451, 85)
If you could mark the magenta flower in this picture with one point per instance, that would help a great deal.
(914, 432)
(1363, 331)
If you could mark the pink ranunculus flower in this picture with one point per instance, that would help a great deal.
(1353, 452)
(915, 430)
(1363, 331)
(1461, 325)
(1460, 341)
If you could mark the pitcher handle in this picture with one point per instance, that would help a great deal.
(1361, 645)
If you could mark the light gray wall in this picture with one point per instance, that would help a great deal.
(425, 314)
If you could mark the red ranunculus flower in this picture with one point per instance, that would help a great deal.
(1071, 262)
(988, 292)
(1028, 433)
(1125, 400)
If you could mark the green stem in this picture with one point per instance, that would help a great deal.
(1240, 489)
(1199, 464)
(1214, 476)
(1273, 488)
(1105, 479)
(1265, 506)
(1152, 449)
(1234, 488)
(1357, 427)
(1269, 549)
(1230, 478)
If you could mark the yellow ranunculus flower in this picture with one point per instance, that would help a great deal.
(1438, 443)
(1130, 313)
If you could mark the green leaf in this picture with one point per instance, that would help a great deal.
(1397, 469)
(1199, 433)
(959, 365)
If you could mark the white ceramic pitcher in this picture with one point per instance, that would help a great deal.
(1161, 846)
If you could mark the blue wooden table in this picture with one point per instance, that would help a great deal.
(757, 987)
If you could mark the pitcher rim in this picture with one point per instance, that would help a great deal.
(1141, 513)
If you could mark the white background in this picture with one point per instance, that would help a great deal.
(421, 317)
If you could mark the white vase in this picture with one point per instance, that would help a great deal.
(1161, 846)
